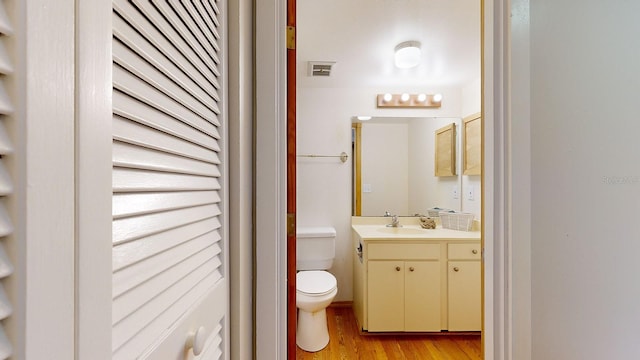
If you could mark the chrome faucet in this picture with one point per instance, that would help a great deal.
(394, 221)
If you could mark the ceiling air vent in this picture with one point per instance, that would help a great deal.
(320, 68)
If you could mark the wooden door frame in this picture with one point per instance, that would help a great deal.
(291, 180)
(271, 158)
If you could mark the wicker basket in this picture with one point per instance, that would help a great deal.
(456, 221)
(435, 212)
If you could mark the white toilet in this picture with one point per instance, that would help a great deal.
(315, 288)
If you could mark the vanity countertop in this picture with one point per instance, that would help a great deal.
(411, 232)
(373, 229)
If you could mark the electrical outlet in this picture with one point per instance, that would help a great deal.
(366, 188)
(471, 193)
(454, 192)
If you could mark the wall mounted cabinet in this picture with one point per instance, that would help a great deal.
(472, 145)
(445, 158)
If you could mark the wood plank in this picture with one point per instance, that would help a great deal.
(347, 343)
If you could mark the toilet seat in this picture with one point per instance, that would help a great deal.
(315, 283)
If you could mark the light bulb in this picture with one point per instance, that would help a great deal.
(437, 97)
(404, 97)
(422, 97)
(387, 97)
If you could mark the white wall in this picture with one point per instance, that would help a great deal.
(585, 179)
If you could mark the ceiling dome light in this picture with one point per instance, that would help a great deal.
(422, 97)
(363, 117)
(407, 54)
(387, 97)
(437, 97)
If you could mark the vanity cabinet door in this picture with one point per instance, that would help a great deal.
(422, 296)
(385, 295)
(464, 298)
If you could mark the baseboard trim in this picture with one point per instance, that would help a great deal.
(341, 304)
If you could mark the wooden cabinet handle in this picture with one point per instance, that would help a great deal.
(397, 268)
(474, 251)
(411, 268)
(456, 269)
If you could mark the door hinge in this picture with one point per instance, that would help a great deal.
(291, 224)
(291, 37)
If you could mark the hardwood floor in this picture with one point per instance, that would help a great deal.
(346, 343)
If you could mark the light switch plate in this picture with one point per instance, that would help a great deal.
(366, 188)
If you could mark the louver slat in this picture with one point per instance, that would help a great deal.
(151, 54)
(210, 23)
(126, 254)
(168, 235)
(202, 25)
(175, 43)
(130, 180)
(6, 184)
(6, 146)
(145, 203)
(132, 299)
(136, 134)
(5, 305)
(132, 228)
(133, 86)
(129, 279)
(161, 121)
(184, 25)
(175, 299)
(5, 345)
(146, 72)
(168, 43)
(127, 155)
(5, 25)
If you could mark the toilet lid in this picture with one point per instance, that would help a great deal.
(315, 282)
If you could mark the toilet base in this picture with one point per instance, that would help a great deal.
(312, 333)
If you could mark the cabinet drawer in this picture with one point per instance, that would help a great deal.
(464, 252)
(404, 251)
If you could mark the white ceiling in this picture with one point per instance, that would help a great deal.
(360, 36)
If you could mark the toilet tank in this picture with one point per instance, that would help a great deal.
(315, 248)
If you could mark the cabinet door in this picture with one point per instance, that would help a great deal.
(422, 296)
(385, 295)
(464, 296)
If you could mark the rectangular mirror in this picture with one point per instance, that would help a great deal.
(393, 162)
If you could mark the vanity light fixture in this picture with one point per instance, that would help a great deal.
(409, 100)
(407, 54)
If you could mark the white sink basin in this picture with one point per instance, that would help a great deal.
(401, 231)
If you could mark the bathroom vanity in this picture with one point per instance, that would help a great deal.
(410, 279)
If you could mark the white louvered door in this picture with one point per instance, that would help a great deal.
(6, 186)
(169, 188)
